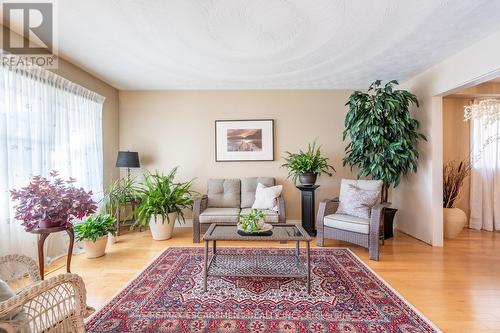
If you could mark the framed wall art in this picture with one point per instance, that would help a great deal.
(244, 140)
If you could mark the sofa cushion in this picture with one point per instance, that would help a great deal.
(224, 193)
(266, 197)
(348, 223)
(270, 217)
(248, 187)
(223, 215)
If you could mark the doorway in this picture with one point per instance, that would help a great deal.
(471, 157)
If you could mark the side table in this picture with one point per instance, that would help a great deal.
(308, 208)
(43, 233)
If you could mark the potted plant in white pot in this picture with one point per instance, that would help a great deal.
(93, 233)
(162, 201)
(307, 165)
(454, 219)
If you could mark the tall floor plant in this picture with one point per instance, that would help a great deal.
(383, 135)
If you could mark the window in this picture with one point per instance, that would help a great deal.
(46, 123)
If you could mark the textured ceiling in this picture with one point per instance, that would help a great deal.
(258, 44)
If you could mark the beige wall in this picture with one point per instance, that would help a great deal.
(420, 196)
(110, 110)
(170, 128)
(456, 140)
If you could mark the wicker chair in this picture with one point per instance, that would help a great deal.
(354, 230)
(57, 304)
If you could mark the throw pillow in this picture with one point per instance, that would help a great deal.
(5, 293)
(17, 314)
(358, 202)
(266, 197)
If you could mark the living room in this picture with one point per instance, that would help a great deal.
(235, 166)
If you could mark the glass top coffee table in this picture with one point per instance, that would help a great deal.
(262, 265)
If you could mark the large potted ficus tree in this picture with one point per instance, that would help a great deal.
(162, 201)
(383, 136)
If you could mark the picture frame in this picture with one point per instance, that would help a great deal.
(244, 140)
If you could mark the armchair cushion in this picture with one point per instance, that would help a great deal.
(17, 315)
(348, 223)
(224, 193)
(358, 202)
(249, 187)
(224, 215)
(271, 216)
(267, 197)
(5, 293)
(369, 185)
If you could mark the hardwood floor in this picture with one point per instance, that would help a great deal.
(457, 287)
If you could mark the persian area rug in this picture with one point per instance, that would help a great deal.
(346, 296)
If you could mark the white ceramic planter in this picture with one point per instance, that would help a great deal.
(97, 249)
(161, 230)
(454, 220)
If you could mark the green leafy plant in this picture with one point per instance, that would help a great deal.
(309, 161)
(119, 193)
(95, 227)
(253, 221)
(383, 135)
(162, 195)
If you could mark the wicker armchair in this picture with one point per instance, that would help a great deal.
(354, 230)
(57, 304)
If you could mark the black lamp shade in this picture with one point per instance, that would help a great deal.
(128, 159)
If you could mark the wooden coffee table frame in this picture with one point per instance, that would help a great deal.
(269, 265)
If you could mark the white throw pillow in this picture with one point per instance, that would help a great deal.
(358, 202)
(266, 197)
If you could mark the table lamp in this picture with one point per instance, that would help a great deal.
(128, 159)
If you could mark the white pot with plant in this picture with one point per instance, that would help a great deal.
(93, 233)
(454, 219)
(162, 201)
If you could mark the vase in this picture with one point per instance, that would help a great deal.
(162, 229)
(454, 220)
(95, 249)
(308, 179)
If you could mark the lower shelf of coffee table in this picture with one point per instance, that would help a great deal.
(270, 265)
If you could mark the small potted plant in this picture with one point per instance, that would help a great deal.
(162, 201)
(118, 195)
(51, 202)
(93, 233)
(253, 222)
(307, 166)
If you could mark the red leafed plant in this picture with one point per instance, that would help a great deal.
(51, 202)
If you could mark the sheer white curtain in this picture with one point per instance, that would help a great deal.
(485, 173)
(46, 123)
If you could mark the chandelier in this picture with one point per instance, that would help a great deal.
(487, 109)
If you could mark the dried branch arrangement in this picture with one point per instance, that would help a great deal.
(454, 174)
